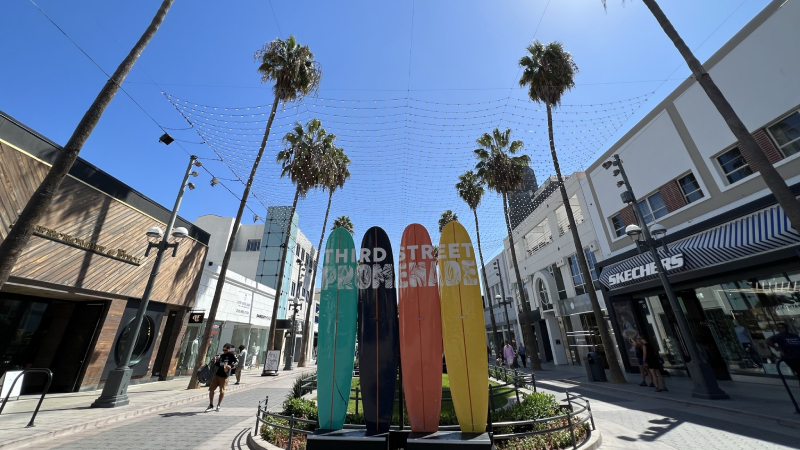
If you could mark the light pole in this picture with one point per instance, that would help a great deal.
(115, 391)
(505, 308)
(295, 305)
(705, 383)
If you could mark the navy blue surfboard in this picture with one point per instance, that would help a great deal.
(379, 331)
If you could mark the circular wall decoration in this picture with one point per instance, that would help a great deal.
(143, 342)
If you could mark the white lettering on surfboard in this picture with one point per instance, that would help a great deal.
(455, 272)
(415, 273)
(372, 276)
(339, 276)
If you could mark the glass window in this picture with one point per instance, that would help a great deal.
(690, 188)
(543, 297)
(653, 207)
(253, 245)
(787, 134)
(734, 166)
(577, 278)
(619, 225)
(556, 273)
(592, 262)
(293, 287)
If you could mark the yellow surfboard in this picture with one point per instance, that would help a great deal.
(463, 329)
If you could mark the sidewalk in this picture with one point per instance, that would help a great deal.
(64, 414)
(766, 402)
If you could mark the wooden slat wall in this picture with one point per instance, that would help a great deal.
(82, 211)
(105, 342)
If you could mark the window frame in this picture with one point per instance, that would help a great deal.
(775, 140)
(619, 232)
(727, 175)
(682, 187)
(544, 298)
(650, 211)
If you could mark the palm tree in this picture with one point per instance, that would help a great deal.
(295, 74)
(333, 174)
(344, 222)
(752, 152)
(470, 189)
(504, 173)
(20, 234)
(447, 217)
(548, 73)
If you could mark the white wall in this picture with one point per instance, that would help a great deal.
(759, 78)
(238, 294)
(220, 230)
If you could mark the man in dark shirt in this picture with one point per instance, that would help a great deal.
(222, 365)
(789, 346)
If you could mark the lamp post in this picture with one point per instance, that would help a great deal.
(115, 391)
(295, 305)
(705, 383)
(505, 308)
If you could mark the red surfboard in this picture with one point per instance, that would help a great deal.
(420, 329)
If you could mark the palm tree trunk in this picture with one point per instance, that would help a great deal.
(528, 330)
(486, 285)
(608, 344)
(14, 243)
(306, 329)
(279, 287)
(212, 314)
(747, 144)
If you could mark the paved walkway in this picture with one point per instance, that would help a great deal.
(67, 421)
(630, 420)
(766, 402)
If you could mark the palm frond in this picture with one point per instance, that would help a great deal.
(290, 66)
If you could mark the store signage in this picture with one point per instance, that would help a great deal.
(196, 317)
(670, 262)
(261, 316)
(83, 244)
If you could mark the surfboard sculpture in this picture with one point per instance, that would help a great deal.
(378, 340)
(420, 329)
(337, 329)
(463, 328)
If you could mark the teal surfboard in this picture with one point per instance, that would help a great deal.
(336, 344)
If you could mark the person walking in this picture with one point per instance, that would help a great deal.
(522, 355)
(654, 365)
(514, 346)
(241, 358)
(640, 358)
(509, 354)
(223, 365)
(789, 346)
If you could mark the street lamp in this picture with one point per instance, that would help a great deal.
(505, 308)
(115, 391)
(705, 383)
(295, 305)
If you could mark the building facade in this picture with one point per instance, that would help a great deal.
(73, 294)
(505, 315)
(731, 254)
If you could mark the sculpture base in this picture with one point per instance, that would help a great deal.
(448, 440)
(346, 440)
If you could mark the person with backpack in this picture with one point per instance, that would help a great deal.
(223, 364)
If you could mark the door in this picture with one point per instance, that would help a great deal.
(548, 351)
(75, 347)
(165, 341)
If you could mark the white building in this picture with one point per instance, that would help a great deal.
(738, 272)
(507, 327)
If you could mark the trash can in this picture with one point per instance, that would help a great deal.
(594, 367)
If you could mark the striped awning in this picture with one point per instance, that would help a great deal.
(759, 232)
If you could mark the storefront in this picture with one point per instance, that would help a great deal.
(735, 280)
(71, 298)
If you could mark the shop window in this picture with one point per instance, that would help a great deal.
(253, 245)
(144, 340)
(653, 207)
(787, 134)
(733, 165)
(619, 225)
(690, 188)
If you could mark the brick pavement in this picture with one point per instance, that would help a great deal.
(174, 413)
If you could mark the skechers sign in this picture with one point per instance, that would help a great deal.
(670, 263)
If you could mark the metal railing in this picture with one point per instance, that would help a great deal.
(576, 412)
(786, 385)
(41, 399)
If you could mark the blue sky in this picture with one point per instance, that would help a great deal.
(408, 87)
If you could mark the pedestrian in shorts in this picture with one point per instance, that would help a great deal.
(223, 365)
(241, 358)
